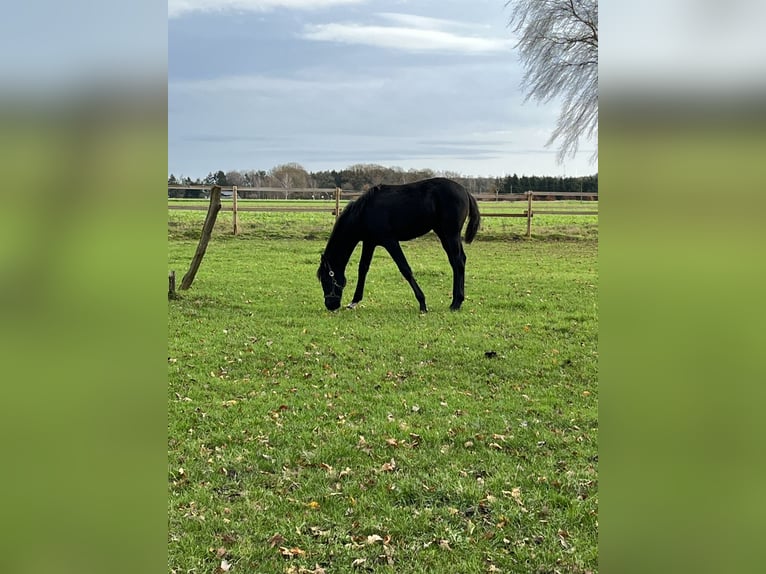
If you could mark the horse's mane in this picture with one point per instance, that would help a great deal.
(356, 206)
(348, 216)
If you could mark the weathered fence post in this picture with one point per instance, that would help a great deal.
(234, 209)
(172, 285)
(207, 230)
(529, 214)
(337, 202)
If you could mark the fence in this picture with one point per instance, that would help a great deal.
(337, 195)
(548, 197)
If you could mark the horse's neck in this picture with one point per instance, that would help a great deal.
(339, 252)
(341, 246)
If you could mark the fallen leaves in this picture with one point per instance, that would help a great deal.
(291, 552)
(389, 466)
(374, 538)
(301, 570)
(515, 494)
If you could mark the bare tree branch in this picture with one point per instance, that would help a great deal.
(558, 46)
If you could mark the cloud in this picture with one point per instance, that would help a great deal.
(420, 35)
(178, 8)
(279, 86)
(423, 22)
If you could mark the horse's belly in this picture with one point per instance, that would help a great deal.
(412, 234)
(403, 227)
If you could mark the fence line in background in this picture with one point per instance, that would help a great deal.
(337, 194)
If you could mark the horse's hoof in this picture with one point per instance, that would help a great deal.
(351, 305)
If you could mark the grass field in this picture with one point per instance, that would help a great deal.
(380, 439)
(317, 225)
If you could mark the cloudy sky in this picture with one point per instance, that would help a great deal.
(331, 83)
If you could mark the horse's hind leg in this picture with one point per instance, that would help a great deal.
(454, 248)
(404, 268)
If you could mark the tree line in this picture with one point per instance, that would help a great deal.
(361, 177)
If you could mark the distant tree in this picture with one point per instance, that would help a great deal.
(209, 179)
(324, 179)
(220, 178)
(235, 178)
(418, 174)
(289, 176)
(558, 45)
(255, 178)
(397, 175)
(172, 180)
(354, 177)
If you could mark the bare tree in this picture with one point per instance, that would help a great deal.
(255, 178)
(289, 176)
(558, 45)
(234, 177)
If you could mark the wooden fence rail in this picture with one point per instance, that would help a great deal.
(336, 195)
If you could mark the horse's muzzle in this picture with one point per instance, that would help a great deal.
(332, 303)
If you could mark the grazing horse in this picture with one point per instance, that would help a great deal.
(388, 214)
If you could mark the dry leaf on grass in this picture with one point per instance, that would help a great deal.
(373, 538)
(388, 466)
(291, 552)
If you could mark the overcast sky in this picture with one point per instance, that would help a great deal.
(331, 83)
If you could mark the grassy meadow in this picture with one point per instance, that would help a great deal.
(380, 439)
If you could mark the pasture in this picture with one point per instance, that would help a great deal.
(380, 439)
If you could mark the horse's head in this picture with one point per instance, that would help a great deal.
(332, 284)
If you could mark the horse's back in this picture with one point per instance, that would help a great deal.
(413, 209)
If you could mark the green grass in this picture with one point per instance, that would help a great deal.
(381, 439)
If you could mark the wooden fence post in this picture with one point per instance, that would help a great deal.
(172, 285)
(234, 209)
(207, 230)
(529, 214)
(337, 202)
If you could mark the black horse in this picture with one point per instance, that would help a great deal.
(388, 214)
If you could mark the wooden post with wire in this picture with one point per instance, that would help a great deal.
(234, 209)
(529, 214)
(337, 202)
(172, 285)
(207, 230)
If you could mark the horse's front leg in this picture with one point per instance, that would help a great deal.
(364, 265)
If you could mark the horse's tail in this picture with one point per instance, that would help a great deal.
(474, 218)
